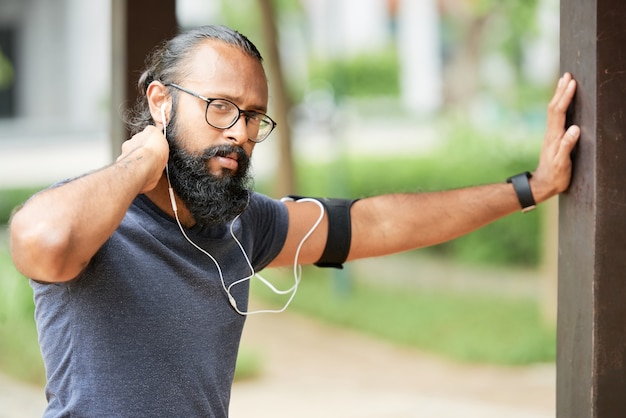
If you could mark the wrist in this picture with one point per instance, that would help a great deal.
(142, 167)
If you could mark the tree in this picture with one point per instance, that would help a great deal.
(286, 182)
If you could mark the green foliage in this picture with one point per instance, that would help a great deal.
(470, 328)
(470, 158)
(19, 352)
(518, 23)
(250, 23)
(367, 75)
(11, 198)
(249, 364)
(7, 73)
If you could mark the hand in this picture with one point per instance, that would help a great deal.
(553, 173)
(148, 144)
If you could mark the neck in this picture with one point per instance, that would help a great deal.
(160, 196)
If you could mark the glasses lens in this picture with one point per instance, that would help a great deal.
(221, 113)
(259, 127)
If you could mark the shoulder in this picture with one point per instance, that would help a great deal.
(260, 203)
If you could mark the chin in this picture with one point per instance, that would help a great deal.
(221, 173)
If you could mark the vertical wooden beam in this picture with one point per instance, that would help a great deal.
(591, 348)
(137, 27)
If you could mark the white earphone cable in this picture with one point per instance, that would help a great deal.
(297, 270)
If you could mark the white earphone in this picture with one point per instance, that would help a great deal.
(297, 272)
(163, 121)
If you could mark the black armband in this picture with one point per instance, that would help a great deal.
(339, 231)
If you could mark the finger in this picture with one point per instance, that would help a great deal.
(561, 88)
(569, 140)
(566, 96)
(558, 106)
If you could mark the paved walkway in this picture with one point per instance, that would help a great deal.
(20, 400)
(313, 370)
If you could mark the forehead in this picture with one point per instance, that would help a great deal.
(219, 68)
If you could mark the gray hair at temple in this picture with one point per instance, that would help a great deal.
(166, 64)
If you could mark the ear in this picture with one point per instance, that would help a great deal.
(158, 96)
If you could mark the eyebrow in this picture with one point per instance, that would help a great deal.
(254, 108)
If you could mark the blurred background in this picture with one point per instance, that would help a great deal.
(379, 96)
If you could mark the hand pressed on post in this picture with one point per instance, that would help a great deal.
(553, 174)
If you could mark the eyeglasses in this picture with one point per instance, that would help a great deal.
(223, 114)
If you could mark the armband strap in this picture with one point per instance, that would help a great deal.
(339, 231)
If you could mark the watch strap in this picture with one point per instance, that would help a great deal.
(521, 185)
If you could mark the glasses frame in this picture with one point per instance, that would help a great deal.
(246, 113)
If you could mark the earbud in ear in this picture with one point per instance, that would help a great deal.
(163, 121)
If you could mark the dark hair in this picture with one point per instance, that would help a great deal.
(166, 64)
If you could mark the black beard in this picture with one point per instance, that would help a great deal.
(212, 200)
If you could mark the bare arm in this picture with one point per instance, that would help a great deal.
(393, 223)
(58, 231)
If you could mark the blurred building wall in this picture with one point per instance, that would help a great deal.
(61, 60)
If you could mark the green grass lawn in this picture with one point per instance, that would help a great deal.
(19, 350)
(466, 327)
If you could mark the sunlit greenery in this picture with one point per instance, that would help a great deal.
(365, 75)
(19, 350)
(6, 71)
(466, 157)
(11, 198)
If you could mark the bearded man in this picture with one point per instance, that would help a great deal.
(140, 269)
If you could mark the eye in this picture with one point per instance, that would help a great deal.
(254, 117)
(221, 106)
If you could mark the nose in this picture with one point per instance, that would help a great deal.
(239, 131)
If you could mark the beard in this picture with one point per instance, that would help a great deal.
(211, 199)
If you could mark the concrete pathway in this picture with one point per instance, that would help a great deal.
(313, 370)
(20, 400)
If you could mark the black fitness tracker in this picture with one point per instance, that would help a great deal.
(522, 189)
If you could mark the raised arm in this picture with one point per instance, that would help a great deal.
(55, 234)
(398, 222)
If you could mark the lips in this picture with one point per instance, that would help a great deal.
(229, 161)
(226, 158)
(233, 156)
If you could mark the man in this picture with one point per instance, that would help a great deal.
(140, 268)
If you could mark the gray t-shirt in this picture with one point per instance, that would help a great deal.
(147, 330)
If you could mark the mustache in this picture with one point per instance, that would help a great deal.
(225, 150)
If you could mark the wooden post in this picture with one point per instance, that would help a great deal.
(591, 347)
(137, 27)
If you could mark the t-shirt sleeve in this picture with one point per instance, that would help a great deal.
(269, 220)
